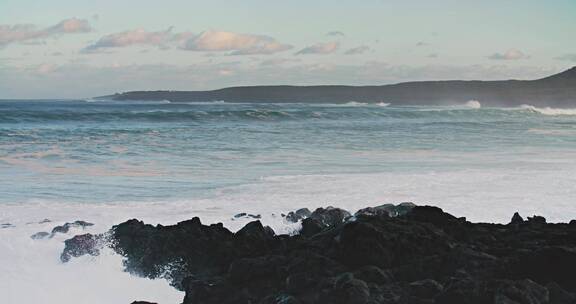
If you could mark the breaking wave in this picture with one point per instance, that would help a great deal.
(473, 104)
(548, 110)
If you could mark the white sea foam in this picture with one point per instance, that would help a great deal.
(355, 103)
(473, 104)
(382, 104)
(548, 110)
(31, 272)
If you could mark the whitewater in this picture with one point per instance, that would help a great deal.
(162, 162)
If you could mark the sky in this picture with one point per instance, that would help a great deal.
(82, 49)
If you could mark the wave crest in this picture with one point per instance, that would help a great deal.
(548, 110)
(473, 104)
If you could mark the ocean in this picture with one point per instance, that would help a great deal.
(108, 161)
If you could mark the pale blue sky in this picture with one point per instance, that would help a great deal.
(87, 48)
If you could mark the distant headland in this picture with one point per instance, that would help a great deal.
(558, 90)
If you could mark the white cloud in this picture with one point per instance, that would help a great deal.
(27, 33)
(335, 33)
(511, 54)
(234, 43)
(208, 41)
(320, 48)
(357, 50)
(132, 37)
(278, 61)
(71, 26)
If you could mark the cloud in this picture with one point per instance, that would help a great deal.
(357, 50)
(71, 26)
(335, 33)
(567, 57)
(26, 33)
(278, 61)
(320, 48)
(132, 37)
(512, 54)
(234, 43)
(208, 41)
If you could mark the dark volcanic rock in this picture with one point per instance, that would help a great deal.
(40, 235)
(300, 214)
(421, 255)
(66, 227)
(323, 218)
(247, 215)
(387, 209)
(81, 245)
(516, 219)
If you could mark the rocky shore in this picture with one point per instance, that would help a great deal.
(387, 254)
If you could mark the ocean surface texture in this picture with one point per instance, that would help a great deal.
(106, 161)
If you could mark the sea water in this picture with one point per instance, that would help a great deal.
(162, 162)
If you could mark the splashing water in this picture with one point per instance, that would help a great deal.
(106, 162)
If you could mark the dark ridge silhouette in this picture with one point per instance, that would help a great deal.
(558, 90)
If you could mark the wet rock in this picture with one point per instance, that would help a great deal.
(323, 218)
(330, 216)
(256, 231)
(247, 215)
(66, 227)
(427, 288)
(390, 210)
(85, 244)
(300, 214)
(40, 235)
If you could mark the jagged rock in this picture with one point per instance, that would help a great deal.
(300, 214)
(323, 218)
(79, 245)
(516, 219)
(386, 210)
(536, 220)
(40, 235)
(424, 256)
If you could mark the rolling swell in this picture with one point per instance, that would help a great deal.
(170, 112)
